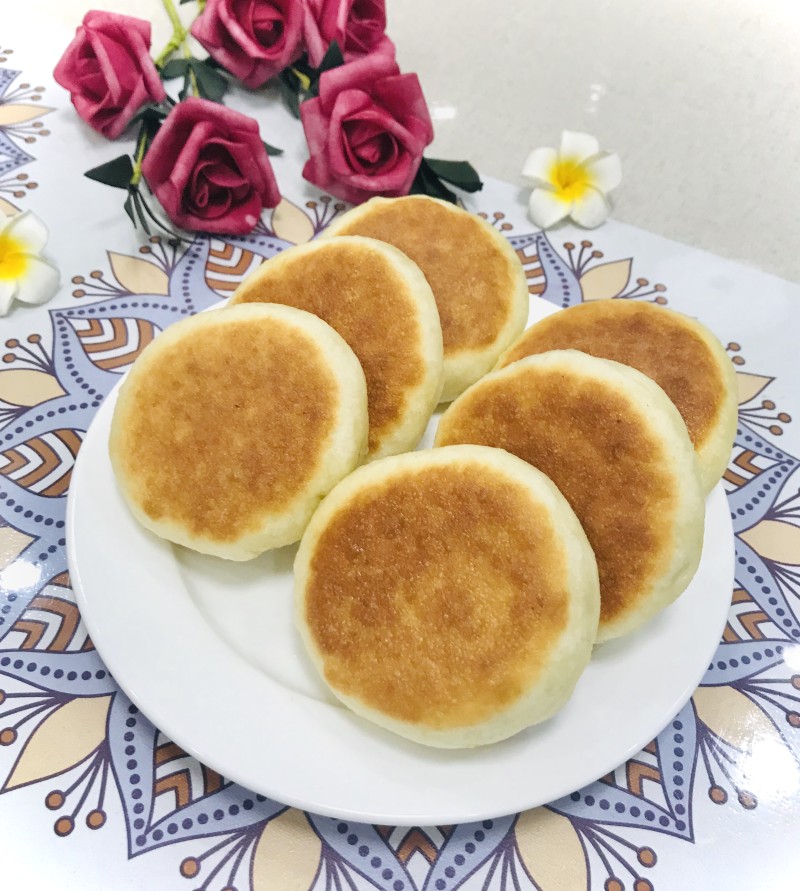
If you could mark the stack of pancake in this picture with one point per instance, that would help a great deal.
(452, 595)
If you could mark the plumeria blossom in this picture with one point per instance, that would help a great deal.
(24, 274)
(571, 182)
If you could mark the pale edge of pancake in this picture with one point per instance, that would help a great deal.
(657, 411)
(463, 368)
(420, 400)
(714, 454)
(346, 446)
(570, 653)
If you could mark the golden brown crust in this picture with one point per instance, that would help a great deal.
(664, 345)
(448, 580)
(197, 441)
(362, 294)
(599, 450)
(470, 278)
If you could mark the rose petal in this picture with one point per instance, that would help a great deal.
(362, 26)
(605, 172)
(222, 175)
(100, 19)
(362, 74)
(183, 164)
(319, 28)
(107, 69)
(315, 126)
(590, 210)
(393, 183)
(29, 229)
(577, 146)
(403, 97)
(40, 282)
(546, 209)
(538, 167)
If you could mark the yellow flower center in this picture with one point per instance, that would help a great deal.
(570, 179)
(13, 262)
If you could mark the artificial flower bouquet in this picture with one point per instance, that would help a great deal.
(366, 123)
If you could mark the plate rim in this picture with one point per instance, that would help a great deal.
(171, 726)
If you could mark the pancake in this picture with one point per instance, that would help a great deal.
(681, 355)
(448, 595)
(381, 304)
(476, 277)
(231, 426)
(618, 450)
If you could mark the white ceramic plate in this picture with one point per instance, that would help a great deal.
(207, 649)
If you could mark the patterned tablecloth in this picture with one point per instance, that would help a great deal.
(93, 796)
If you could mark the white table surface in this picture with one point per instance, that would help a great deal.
(699, 98)
(732, 197)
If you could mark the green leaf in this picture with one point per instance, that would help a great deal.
(333, 58)
(211, 84)
(184, 1)
(186, 89)
(426, 182)
(175, 68)
(289, 86)
(459, 173)
(137, 203)
(129, 206)
(150, 114)
(271, 150)
(116, 173)
(134, 210)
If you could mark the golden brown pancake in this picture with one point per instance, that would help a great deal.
(383, 307)
(231, 426)
(449, 595)
(682, 356)
(476, 278)
(616, 447)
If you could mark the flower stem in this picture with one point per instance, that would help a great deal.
(179, 34)
(137, 161)
(174, 18)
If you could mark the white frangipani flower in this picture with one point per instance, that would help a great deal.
(571, 182)
(24, 274)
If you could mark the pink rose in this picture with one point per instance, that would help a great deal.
(358, 26)
(209, 169)
(108, 71)
(253, 39)
(366, 130)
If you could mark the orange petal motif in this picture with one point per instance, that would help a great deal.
(20, 113)
(551, 851)
(287, 854)
(750, 385)
(12, 543)
(734, 717)
(7, 209)
(138, 276)
(606, 280)
(292, 224)
(23, 386)
(775, 540)
(65, 737)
